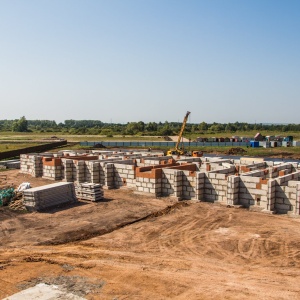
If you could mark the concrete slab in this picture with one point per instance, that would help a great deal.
(43, 291)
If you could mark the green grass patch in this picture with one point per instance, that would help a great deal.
(15, 146)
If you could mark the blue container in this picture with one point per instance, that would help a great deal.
(254, 144)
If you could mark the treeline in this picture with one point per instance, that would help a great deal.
(135, 128)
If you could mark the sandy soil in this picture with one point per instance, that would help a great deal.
(136, 247)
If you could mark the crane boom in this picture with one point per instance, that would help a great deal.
(182, 129)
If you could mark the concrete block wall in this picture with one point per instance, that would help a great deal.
(131, 156)
(52, 168)
(215, 187)
(188, 184)
(52, 172)
(250, 160)
(109, 176)
(280, 170)
(215, 164)
(73, 170)
(190, 160)
(168, 182)
(67, 169)
(102, 168)
(92, 171)
(156, 160)
(251, 167)
(149, 185)
(253, 190)
(269, 186)
(149, 180)
(31, 164)
(271, 196)
(199, 189)
(233, 188)
(124, 175)
(179, 181)
(286, 189)
(80, 171)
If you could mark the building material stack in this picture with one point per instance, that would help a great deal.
(89, 191)
(49, 196)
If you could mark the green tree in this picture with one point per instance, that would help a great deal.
(203, 126)
(20, 125)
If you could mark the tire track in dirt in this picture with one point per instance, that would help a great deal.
(215, 235)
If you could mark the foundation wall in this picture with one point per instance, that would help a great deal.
(233, 188)
(200, 182)
(52, 172)
(189, 184)
(253, 190)
(286, 193)
(280, 170)
(215, 187)
(92, 171)
(252, 167)
(124, 175)
(31, 164)
(168, 182)
(149, 185)
(272, 187)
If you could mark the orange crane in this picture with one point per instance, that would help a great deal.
(179, 151)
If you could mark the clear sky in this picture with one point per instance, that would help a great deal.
(150, 60)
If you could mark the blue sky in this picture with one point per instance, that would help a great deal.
(125, 60)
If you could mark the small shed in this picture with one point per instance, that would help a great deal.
(258, 137)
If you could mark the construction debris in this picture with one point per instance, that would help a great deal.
(89, 191)
(23, 186)
(235, 151)
(17, 202)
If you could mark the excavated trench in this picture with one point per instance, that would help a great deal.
(89, 232)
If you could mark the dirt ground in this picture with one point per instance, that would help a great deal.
(133, 246)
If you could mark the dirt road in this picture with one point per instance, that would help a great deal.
(137, 247)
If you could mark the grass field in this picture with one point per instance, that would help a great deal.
(12, 141)
(21, 136)
(15, 146)
(13, 136)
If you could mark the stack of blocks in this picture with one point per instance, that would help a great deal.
(49, 195)
(89, 191)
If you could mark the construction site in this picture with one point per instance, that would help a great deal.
(104, 224)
